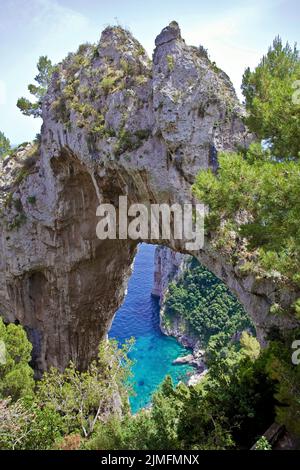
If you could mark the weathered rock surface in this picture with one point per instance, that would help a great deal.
(114, 123)
(167, 265)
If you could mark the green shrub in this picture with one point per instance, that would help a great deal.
(206, 303)
(170, 62)
(31, 199)
(16, 377)
(108, 83)
(263, 444)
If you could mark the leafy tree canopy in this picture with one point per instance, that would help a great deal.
(45, 71)
(229, 408)
(270, 94)
(16, 376)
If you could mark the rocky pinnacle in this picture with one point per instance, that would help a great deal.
(114, 123)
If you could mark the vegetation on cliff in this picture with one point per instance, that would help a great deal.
(254, 204)
(230, 408)
(86, 81)
(45, 71)
(71, 410)
(254, 212)
(271, 94)
(206, 303)
(255, 194)
(38, 415)
(16, 376)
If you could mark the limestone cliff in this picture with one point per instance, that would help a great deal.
(114, 123)
(167, 265)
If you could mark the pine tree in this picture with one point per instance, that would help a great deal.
(45, 69)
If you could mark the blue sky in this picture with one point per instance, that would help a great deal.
(236, 33)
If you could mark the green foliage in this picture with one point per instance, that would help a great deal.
(296, 306)
(250, 346)
(4, 145)
(82, 397)
(107, 83)
(269, 194)
(206, 303)
(46, 427)
(203, 52)
(24, 425)
(127, 141)
(127, 67)
(64, 402)
(128, 433)
(170, 62)
(141, 51)
(45, 71)
(214, 67)
(16, 377)
(15, 421)
(273, 114)
(31, 199)
(255, 194)
(263, 444)
(229, 408)
(238, 387)
(162, 427)
(287, 377)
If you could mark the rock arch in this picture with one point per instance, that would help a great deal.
(161, 122)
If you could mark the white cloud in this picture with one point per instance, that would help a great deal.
(2, 92)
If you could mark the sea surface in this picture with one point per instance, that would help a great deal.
(153, 352)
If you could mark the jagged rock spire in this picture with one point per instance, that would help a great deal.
(169, 33)
(113, 124)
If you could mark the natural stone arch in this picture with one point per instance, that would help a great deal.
(179, 114)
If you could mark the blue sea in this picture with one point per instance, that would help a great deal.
(153, 352)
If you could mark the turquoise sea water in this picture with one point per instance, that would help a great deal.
(139, 317)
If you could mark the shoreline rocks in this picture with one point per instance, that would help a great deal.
(195, 359)
(184, 359)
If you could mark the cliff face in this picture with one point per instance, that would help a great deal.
(167, 265)
(114, 123)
